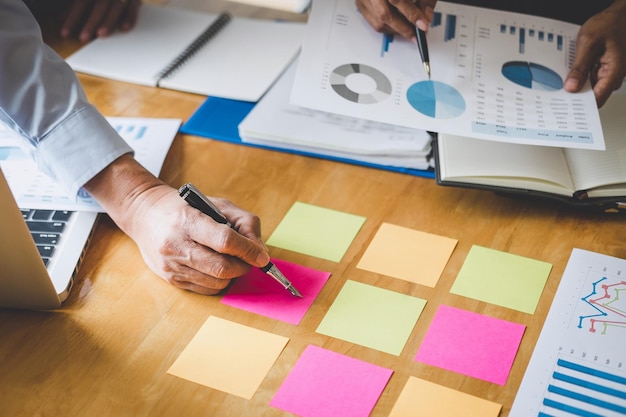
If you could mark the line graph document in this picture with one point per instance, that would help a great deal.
(495, 75)
(578, 367)
(150, 138)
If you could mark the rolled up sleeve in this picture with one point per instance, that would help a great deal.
(42, 100)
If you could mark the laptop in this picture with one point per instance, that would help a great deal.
(39, 276)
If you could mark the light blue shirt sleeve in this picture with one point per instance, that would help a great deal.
(42, 100)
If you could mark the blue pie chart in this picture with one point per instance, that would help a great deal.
(436, 99)
(531, 75)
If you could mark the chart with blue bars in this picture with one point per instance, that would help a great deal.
(449, 26)
(578, 367)
(577, 388)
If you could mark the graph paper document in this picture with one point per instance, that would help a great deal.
(150, 138)
(495, 75)
(578, 367)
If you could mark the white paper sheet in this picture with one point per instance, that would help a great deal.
(578, 366)
(495, 75)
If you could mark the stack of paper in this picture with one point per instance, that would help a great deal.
(277, 123)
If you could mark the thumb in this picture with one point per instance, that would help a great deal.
(581, 67)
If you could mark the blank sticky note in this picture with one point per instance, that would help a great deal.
(258, 293)
(372, 317)
(426, 399)
(324, 383)
(407, 254)
(219, 356)
(471, 344)
(502, 279)
(316, 231)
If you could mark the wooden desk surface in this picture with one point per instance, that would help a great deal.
(107, 351)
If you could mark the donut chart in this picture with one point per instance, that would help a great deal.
(531, 75)
(436, 99)
(339, 82)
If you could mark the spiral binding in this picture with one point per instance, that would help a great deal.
(195, 46)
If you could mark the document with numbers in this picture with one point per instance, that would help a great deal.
(495, 75)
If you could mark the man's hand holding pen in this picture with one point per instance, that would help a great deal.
(179, 243)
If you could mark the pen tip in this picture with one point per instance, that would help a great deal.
(295, 292)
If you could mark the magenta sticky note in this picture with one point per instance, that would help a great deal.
(258, 293)
(328, 384)
(471, 344)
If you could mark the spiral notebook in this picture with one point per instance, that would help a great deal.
(195, 52)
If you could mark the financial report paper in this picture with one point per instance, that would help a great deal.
(495, 75)
(578, 366)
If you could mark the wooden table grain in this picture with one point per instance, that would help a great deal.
(106, 352)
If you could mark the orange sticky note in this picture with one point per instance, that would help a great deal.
(407, 254)
(426, 399)
(221, 356)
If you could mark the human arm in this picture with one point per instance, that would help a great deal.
(397, 16)
(601, 53)
(42, 100)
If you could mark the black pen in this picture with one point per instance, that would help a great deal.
(422, 45)
(199, 201)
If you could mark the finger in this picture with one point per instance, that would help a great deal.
(130, 15)
(225, 240)
(192, 280)
(76, 12)
(609, 79)
(385, 18)
(96, 16)
(419, 13)
(112, 17)
(586, 55)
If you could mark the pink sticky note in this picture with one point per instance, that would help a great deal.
(471, 344)
(258, 293)
(325, 383)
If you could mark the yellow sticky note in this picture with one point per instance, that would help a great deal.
(426, 399)
(408, 254)
(229, 357)
(502, 278)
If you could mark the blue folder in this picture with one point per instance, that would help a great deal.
(218, 118)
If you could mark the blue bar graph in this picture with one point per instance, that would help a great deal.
(436, 20)
(523, 34)
(450, 30)
(585, 391)
(450, 26)
(387, 40)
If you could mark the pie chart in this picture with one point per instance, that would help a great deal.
(436, 99)
(531, 75)
(373, 87)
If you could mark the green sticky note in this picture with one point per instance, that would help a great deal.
(502, 279)
(372, 317)
(316, 231)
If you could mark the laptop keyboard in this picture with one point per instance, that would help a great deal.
(46, 227)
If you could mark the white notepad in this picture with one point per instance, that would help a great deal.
(217, 55)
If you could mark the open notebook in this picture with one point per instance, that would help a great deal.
(195, 52)
(577, 176)
(39, 276)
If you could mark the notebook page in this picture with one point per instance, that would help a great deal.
(597, 168)
(478, 161)
(242, 61)
(160, 35)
